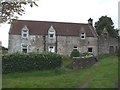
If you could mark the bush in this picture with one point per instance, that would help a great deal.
(21, 62)
(85, 54)
(74, 53)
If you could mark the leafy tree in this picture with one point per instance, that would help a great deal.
(105, 22)
(8, 8)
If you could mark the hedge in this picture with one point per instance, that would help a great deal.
(21, 62)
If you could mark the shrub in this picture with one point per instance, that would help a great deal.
(85, 54)
(74, 53)
(21, 62)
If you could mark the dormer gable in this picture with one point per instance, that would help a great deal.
(25, 32)
(105, 33)
(82, 33)
(51, 32)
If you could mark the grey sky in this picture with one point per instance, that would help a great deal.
(78, 11)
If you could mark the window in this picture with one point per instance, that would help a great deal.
(82, 35)
(51, 33)
(51, 48)
(75, 47)
(90, 50)
(24, 35)
(24, 48)
(25, 32)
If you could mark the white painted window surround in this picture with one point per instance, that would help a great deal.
(51, 48)
(51, 33)
(24, 48)
(25, 32)
(75, 47)
(83, 35)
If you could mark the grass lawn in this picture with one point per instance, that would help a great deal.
(104, 74)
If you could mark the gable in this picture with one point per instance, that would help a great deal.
(42, 27)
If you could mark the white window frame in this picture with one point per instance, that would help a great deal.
(25, 31)
(53, 47)
(75, 48)
(83, 35)
(24, 47)
(51, 31)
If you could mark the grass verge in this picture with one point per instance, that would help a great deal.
(103, 74)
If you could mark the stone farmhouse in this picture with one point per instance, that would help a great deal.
(106, 43)
(59, 37)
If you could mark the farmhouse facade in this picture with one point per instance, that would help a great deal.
(59, 37)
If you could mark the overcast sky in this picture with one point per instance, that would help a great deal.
(77, 11)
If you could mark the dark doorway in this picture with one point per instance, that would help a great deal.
(111, 49)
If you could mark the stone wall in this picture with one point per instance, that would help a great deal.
(82, 62)
(64, 44)
(67, 43)
(35, 43)
(109, 45)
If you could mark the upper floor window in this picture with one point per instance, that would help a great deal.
(25, 32)
(82, 35)
(51, 35)
(51, 32)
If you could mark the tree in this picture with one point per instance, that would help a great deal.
(8, 8)
(105, 22)
(75, 53)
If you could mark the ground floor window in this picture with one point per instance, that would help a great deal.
(51, 48)
(24, 48)
(75, 47)
(90, 49)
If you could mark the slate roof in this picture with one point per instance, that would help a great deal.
(42, 27)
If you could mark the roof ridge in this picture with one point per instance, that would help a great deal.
(54, 22)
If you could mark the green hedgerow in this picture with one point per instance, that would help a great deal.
(21, 62)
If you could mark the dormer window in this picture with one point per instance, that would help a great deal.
(25, 32)
(51, 32)
(82, 35)
(51, 35)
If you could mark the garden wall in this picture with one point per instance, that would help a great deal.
(82, 62)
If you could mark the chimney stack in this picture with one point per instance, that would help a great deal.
(90, 22)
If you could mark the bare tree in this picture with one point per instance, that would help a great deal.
(11, 9)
